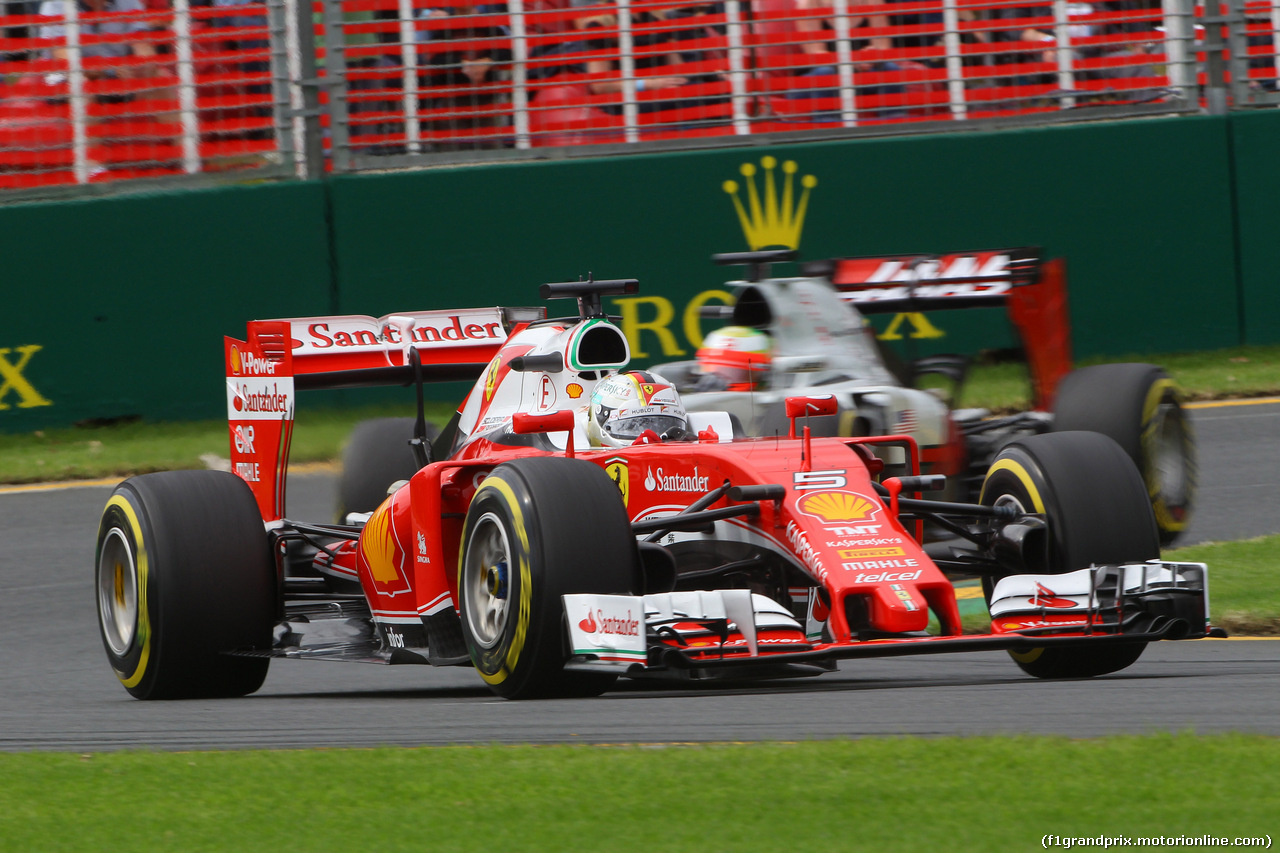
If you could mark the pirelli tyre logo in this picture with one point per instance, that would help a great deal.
(17, 390)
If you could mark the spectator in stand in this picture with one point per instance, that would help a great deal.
(812, 39)
(141, 47)
(603, 44)
(466, 78)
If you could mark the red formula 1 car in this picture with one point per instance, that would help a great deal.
(554, 567)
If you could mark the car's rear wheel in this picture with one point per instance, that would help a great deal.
(184, 574)
(1139, 407)
(1097, 512)
(538, 529)
(376, 455)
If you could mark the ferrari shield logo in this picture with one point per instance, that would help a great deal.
(491, 377)
(616, 468)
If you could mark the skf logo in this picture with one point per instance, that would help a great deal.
(833, 507)
(771, 222)
(616, 468)
(14, 381)
(243, 438)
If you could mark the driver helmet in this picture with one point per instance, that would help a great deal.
(738, 355)
(625, 405)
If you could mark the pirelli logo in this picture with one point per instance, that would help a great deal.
(869, 553)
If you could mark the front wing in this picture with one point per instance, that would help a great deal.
(707, 632)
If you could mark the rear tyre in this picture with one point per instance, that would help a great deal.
(538, 529)
(185, 574)
(376, 456)
(1138, 406)
(1097, 510)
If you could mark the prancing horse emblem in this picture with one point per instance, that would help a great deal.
(616, 468)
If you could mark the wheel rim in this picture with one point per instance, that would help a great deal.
(1011, 500)
(485, 580)
(117, 591)
(1169, 461)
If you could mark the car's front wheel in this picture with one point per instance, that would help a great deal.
(1097, 511)
(538, 529)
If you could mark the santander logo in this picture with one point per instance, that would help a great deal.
(1046, 597)
(622, 625)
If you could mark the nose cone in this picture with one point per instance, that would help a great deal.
(898, 608)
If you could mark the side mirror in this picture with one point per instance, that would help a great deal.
(816, 404)
(523, 423)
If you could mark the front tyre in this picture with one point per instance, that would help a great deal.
(1097, 511)
(184, 574)
(1139, 407)
(537, 529)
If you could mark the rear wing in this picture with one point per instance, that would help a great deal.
(281, 357)
(879, 284)
(1032, 289)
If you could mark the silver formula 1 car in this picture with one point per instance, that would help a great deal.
(822, 343)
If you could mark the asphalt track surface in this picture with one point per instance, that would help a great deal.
(59, 694)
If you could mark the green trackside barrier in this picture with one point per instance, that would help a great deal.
(1256, 158)
(117, 307)
(1141, 209)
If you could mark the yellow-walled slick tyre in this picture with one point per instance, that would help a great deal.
(1139, 407)
(537, 529)
(184, 574)
(1097, 511)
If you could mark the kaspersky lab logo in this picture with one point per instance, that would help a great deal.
(770, 220)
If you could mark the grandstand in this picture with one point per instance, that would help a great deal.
(102, 91)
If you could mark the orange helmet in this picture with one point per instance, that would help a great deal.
(739, 355)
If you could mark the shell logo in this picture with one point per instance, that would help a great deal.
(833, 507)
(574, 390)
(377, 547)
(235, 360)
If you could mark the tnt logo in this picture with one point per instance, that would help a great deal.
(243, 439)
(15, 381)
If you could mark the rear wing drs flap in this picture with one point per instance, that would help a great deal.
(281, 357)
(892, 283)
(1033, 291)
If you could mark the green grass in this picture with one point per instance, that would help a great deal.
(134, 448)
(895, 794)
(1234, 372)
(1244, 597)
(78, 453)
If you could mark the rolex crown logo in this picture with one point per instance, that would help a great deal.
(771, 222)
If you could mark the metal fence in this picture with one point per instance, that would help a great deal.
(99, 91)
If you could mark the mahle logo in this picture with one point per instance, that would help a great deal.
(769, 221)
